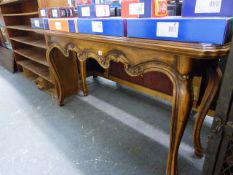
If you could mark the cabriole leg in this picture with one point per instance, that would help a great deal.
(83, 77)
(182, 102)
(214, 79)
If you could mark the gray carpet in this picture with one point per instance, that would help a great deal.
(113, 131)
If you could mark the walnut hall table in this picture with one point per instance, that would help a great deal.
(179, 61)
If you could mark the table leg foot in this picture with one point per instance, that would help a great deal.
(61, 103)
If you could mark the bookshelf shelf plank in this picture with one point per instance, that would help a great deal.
(21, 27)
(10, 2)
(30, 41)
(36, 68)
(33, 55)
(20, 14)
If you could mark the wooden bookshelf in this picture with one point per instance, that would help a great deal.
(28, 45)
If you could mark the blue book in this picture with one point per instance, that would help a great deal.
(93, 11)
(216, 30)
(40, 23)
(102, 26)
(207, 8)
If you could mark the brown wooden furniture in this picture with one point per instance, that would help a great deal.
(65, 66)
(6, 59)
(163, 90)
(6, 56)
(179, 61)
(29, 47)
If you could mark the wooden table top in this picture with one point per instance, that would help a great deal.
(193, 50)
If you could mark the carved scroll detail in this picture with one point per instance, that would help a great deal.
(104, 61)
(120, 57)
(64, 50)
